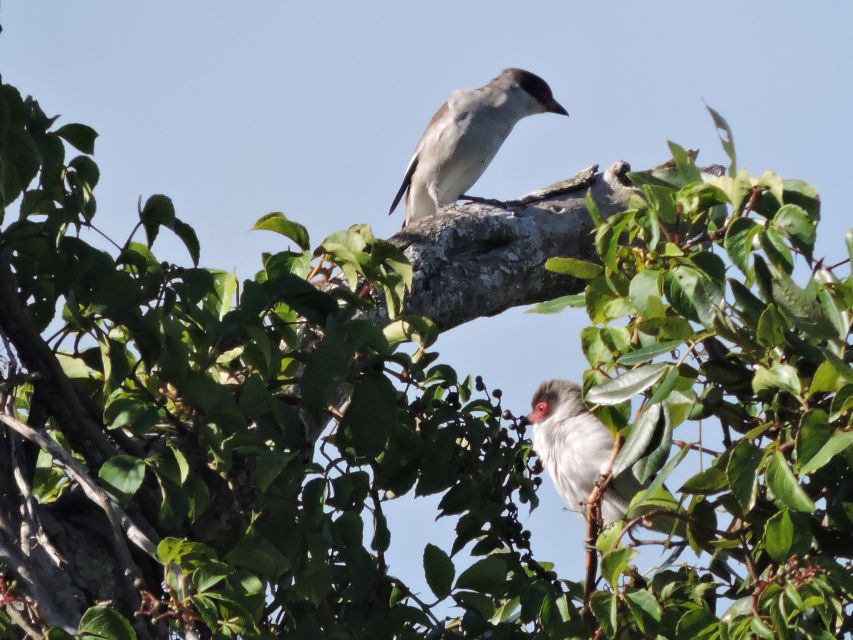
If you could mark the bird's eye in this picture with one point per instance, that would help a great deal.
(543, 407)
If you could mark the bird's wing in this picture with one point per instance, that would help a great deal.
(413, 164)
(451, 111)
(407, 180)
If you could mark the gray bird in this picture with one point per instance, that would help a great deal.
(463, 137)
(575, 448)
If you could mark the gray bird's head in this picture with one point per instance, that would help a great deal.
(530, 89)
(556, 397)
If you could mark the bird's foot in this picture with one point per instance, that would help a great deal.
(501, 204)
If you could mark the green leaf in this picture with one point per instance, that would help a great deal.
(777, 251)
(848, 240)
(644, 354)
(209, 575)
(726, 138)
(803, 194)
(418, 329)
(778, 536)
(641, 435)
(123, 475)
(658, 450)
(116, 364)
(269, 465)
(698, 624)
(255, 553)
(104, 623)
(626, 385)
(684, 164)
(795, 223)
(800, 305)
(592, 208)
(439, 571)
(738, 242)
(771, 327)
(558, 304)
(157, 212)
(778, 376)
(835, 445)
(279, 223)
(370, 416)
(182, 552)
(814, 432)
(381, 533)
(663, 391)
(761, 629)
(655, 493)
(80, 136)
(614, 563)
(644, 293)
(693, 294)
(487, 575)
(74, 367)
(645, 609)
(708, 482)
(785, 487)
(742, 472)
(573, 267)
(187, 235)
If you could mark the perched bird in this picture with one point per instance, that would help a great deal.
(463, 137)
(575, 448)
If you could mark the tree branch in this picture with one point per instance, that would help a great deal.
(118, 518)
(475, 260)
(63, 400)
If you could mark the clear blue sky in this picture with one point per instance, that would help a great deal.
(238, 109)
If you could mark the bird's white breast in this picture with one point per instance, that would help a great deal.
(576, 452)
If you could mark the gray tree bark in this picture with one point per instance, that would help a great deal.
(479, 259)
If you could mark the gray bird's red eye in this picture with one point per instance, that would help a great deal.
(542, 406)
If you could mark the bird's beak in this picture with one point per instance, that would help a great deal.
(524, 421)
(556, 107)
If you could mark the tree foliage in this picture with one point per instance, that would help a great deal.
(188, 454)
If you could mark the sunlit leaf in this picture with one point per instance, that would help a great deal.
(279, 223)
(785, 487)
(124, 475)
(626, 385)
(105, 623)
(779, 535)
(641, 435)
(742, 472)
(574, 267)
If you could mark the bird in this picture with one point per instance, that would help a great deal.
(463, 137)
(575, 447)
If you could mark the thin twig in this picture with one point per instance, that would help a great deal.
(89, 225)
(18, 619)
(695, 447)
(427, 609)
(593, 529)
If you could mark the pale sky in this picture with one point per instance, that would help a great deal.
(238, 109)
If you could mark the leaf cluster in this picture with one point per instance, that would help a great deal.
(709, 308)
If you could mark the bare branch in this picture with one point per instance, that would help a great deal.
(117, 516)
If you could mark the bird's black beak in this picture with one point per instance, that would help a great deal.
(555, 107)
(523, 421)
